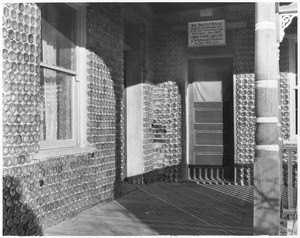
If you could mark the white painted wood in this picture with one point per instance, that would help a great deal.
(44, 154)
(291, 8)
(134, 126)
(191, 117)
(185, 169)
(292, 83)
(190, 126)
(267, 165)
(58, 68)
(234, 120)
(82, 89)
(187, 111)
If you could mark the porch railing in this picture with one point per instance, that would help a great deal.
(289, 175)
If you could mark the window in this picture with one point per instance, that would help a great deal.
(294, 86)
(60, 75)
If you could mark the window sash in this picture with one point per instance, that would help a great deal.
(51, 144)
(59, 69)
(60, 40)
(58, 144)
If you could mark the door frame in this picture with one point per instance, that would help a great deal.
(187, 124)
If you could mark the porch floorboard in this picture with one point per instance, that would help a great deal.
(167, 209)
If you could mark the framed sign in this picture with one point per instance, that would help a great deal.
(207, 33)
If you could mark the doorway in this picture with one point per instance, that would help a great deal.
(210, 119)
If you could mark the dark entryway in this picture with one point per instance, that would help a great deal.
(211, 130)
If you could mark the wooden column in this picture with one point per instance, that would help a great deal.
(267, 182)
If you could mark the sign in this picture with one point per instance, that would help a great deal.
(207, 33)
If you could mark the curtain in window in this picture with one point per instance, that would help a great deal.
(50, 95)
(207, 91)
(210, 82)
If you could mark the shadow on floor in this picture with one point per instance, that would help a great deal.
(168, 209)
(191, 209)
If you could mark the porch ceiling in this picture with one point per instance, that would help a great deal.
(171, 7)
(164, 7)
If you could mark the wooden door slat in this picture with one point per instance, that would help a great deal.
(208, 104)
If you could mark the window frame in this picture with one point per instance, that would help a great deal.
(79, 93)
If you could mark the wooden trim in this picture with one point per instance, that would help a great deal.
(211, 56)
(47, 145)
(190, 118)
(209, 131)
(268, 147)
(208, 109)
(81, 86)
(57, 68)
(206, 106)
(291, 8)
(267, 83)
(45, 154)
(75, 112)
(234, 122)
(267, 120)
(199, 126)
(292, 39)
(191, 115)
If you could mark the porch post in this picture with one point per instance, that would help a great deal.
(267, 184)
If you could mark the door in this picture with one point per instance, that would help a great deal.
(210, 92)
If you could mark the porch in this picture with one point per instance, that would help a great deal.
(133, 120)
(168, 209)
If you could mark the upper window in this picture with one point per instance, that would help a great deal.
(59, 34)
(59, 71)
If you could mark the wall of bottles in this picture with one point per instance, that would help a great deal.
(101, 113)
(167, 125)
(285, 109)
(20, 82)
(170, 56)
(39, 194)
(101, 109)
(105, 40)
(284, 88)
(245, 122)
(148, 146)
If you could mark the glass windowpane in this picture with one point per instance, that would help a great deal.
(59, 35)
(56, 105)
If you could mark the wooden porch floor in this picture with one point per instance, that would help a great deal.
(167, 209)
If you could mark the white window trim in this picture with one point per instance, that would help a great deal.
(292, 38)
(79, 144)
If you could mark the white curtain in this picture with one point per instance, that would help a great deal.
(207, 91)
(50, 90)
